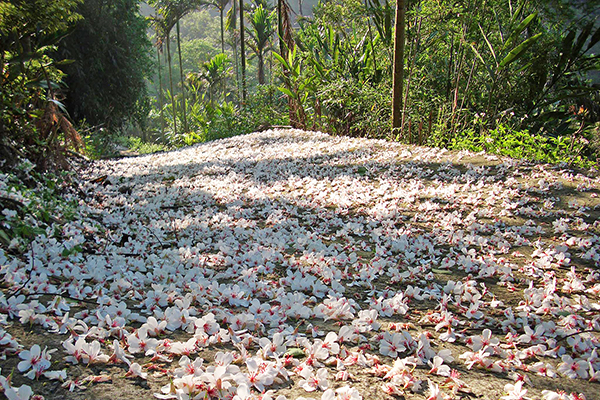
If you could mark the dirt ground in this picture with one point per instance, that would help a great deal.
(294, 198)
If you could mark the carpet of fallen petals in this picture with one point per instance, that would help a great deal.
(287, 265)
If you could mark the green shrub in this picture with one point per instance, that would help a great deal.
(354, 109)
(515, 143)
(33, 204)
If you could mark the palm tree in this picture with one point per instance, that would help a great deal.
(169, 12)
(160, 88)
(219, 5)
(284, 28)
(184, 108)
(398, 73)
(257, 3)
(214, 73)
(161, 24)
(260, 34)
(231, 26)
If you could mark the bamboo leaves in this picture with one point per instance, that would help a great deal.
(503, 57)
(518, 51)
(519, 29)
(382, 14)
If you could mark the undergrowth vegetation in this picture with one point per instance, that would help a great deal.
(518, 86)
(516, 78)
(34, 204)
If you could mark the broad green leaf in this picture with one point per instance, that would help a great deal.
(60, 105)
(595, 39)
(282, 61)
(526, 66)
(490, 71)
(518, 12)
(286, 91)
(519, 29)
(576, 92)
(583, 37)
(567, 48)
(4, 237)
(295, 352)
(304, 98)
(518, 51)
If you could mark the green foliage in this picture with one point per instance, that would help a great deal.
(474, 67)
(260, 31)
(216, 120)
(297, 87)
(32, 121)
(111, 59)
(32, 204)
(98, 142)
(336, 76)
(137, 145)
(220, 5)
(476, 74)
(34, 18)
(514, 143)
(194, 53)
(201, 25)
(264, 108)
(382, 15)
(353, 109)
(214, 72)
(341, 14)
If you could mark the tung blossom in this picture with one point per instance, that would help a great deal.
(514, 392)
(36, 359)
(314, 381)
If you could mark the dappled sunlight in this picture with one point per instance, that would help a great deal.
(302, 265)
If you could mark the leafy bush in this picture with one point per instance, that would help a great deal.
(515, 143)
(137, 145)
(110, 51)
(33, 204)
(352, 109)
(33, 122)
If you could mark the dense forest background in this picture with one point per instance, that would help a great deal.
(515, 77)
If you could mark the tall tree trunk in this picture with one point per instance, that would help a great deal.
(222, 31)
(237, 65)
(261, 69)
(171, 84)
(286, 44)
(243, 50)
(160, 93)
(271, 66)
(185, 125)
(235, 49)
(300, 13)
(413, 50)
(282, 51)
(398, 74)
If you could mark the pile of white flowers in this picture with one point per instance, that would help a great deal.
(309, 262)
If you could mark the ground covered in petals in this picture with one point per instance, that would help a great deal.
(287, 265)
